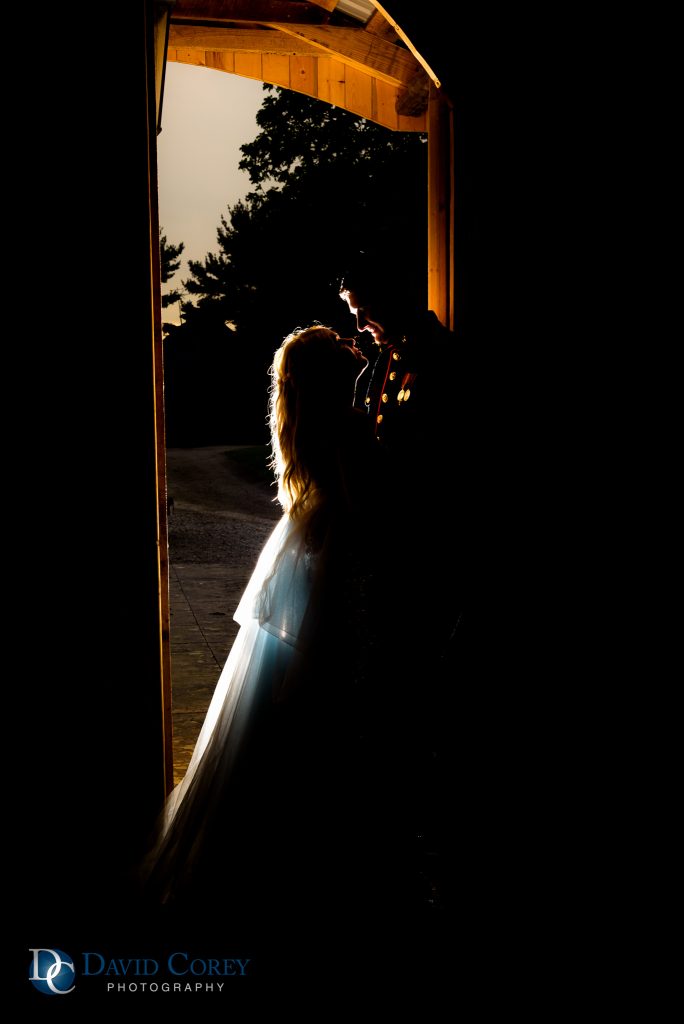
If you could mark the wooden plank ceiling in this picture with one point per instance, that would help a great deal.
(308, 46)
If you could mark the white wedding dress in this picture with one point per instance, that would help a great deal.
(257, 675)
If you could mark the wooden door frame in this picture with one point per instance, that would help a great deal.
(440, 281)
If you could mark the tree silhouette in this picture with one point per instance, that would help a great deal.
(326, 183)
(170, 264)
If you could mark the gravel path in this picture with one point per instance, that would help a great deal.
(221, 516)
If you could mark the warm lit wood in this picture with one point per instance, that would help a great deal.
(327, 5)
(378, 26)
(391, 64)
(276, 69)
(413, 100)
(338, 81)
(386, 97)
(331, 81)
(254, 40)
(412, 124)
(359, 93)
(324, 72)
(248, 65)
(437, 300)
(360, 50)
(402, 35)
(451, 225)
(196, 57)
(322, 77)
(303, 75)
(440, 207)
(218, 61)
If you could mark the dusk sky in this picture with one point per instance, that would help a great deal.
(206, 116)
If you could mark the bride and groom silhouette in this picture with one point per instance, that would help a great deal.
(316, 786)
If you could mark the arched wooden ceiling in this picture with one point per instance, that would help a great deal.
(346, 52)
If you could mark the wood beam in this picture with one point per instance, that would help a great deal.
(255, 40)
(377, 26)
(321, 76)
(327, 5)
(413, 100)
(214, 13)
(402, 35)
(441, 207)
(359, 49)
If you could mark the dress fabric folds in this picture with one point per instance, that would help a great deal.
(301, 794)
(207, 816)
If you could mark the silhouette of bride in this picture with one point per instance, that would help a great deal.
(267, 815)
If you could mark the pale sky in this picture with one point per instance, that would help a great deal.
(206, 116)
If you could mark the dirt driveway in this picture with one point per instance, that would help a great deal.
(221, 515)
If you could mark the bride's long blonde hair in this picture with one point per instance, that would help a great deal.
(312, 381)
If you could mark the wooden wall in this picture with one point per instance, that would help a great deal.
(324, 78)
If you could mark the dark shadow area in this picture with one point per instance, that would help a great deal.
(251, 464)
(216, 387)
(83, 544)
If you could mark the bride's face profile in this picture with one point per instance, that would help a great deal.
(358, 362)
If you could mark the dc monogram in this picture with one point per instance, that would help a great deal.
(52, 972)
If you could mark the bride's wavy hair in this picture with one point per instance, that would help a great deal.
(312, 379)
